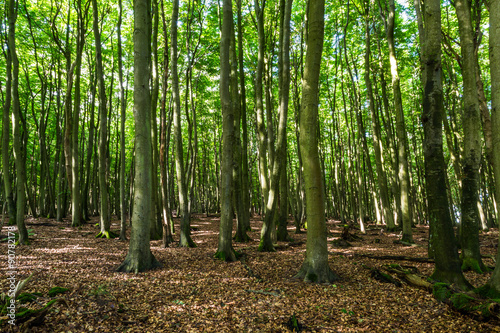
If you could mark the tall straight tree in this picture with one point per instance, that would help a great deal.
(7, 182)
(403, 173)
(139, 257)
(469, 228)
(225, 250)
(259, 105)
(123, 106)
(103, 128)
(494, 282)
(315, 267)
(76, 212)
(442, 241)
(185, 236)
(284, 96)
(19, 151)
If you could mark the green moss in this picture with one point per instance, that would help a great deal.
(106, 234)
(474, 265)
(57, 290)
(441, 291)
(220, 255)
(266, 246)
(461, 301)
(28, 297)
(487, 291)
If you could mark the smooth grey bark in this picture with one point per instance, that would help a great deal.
(185, 237)
(139, 257)
(225, 250)
(442, 240)
(315, 267)
(471, 161)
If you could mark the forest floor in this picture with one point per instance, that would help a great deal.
(193, 292)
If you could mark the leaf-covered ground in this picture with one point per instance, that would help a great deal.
(194, 292)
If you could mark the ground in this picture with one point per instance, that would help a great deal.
(193, 292)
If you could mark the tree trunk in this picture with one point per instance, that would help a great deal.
(103, 129)
(284, 81)
(7, 182)
(403, 174)
(469, 228)
(442, 241)
(123, 107)
(494, 281)
(225, 250)
(259, 107)
(19, 151)
(315, 267)
(185, 237)
(139, 257)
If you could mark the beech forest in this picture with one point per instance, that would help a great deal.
(250, 166)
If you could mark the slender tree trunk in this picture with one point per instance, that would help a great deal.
(7, 182)
(139, 257)
(403, 174)
(103, 129)
(259, 105)
(494, 40)
(286, 10)
(442, 240)
(315, 267)
(225, 250)
(123, 107)
(19, 151)
(185, 237)
(245, 188)
(469, 228)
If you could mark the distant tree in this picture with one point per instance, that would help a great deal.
(139, 257)
(315, 267)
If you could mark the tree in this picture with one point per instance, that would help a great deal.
(442, 241)
(185, 236)
(403, 173)
(494, 282)
(19, 151)
(103, 129)
(123, 107)
(139, 257)
(5, 142)
(469, 228)
(315, 267)
(225, 250)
